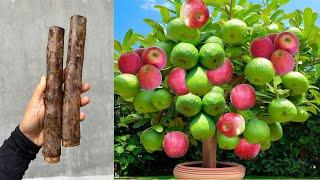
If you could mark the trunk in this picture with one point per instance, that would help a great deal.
(53, 96)
(209, 152)
(73, 81)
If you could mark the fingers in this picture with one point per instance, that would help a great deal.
(82, 116)
(85, 87)
(84, 101)
(39, 91)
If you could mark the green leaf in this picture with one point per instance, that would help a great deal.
(276, 14)
(276, 81)
(216, 3)
(311, 109)
(127, 38)
(158, 127)
(117, 46)
(157, 29)
(131, 147)
(316, 95)
(165, 13)
(252, 18)
(119, 149)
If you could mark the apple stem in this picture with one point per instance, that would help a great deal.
(209, 152)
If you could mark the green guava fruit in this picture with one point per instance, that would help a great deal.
(162, 99)
(273, 28)
(296, 82)
(213, 103)
(177, 31)
(259, 71)
(297, 99)
(275, 131)
(234, 31)
(197, 81)
(211, 55)
(189, 104)
(296, 31)
(214, 39)
(234, 52)
(217, 89)
(258, 30)
(265, 145)
(151, 140)
(256, 131)
(266, 118)
(282, 110)
(302, 114)
(184, 55)
(202, 127)
(143, 102)
(227, 143)
(126, 85)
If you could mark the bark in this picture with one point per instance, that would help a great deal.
(73, 81)
(209, 152)
(53, 96)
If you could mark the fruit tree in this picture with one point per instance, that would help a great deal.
(225, 73)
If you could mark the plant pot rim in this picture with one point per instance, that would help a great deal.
(231, 167)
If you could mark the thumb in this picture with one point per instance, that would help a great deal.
(39, 91)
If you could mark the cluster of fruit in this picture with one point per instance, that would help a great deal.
(198, 68)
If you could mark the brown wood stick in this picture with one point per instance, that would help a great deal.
(53, 96)
(209, 152)
(73, 81)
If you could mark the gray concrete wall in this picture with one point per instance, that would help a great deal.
(23, 38)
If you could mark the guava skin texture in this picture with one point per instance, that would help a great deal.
(262, 47)
(151, 140)
(213, 103)
(259, 71)
(302, 115)
(202, 127)
(143, 102)
(188, 105)
(184, 55)
(197, 81)
(149, 77)
(222, 74)
(126, 85)
(265, 145)
(287, 41)
(175, 144)
(282, 110)
(129, 63)
(214, 39)
(275, 131)
(194, 13)
(154, 56)
(162, 99)
(273, 28)
(177, 82)
(296, 82)
(247, 151)
(227, 143)
(256, 131)
(243, 96)
(234, 31)
(211, 55)
(231, 124)
(282, 61)
(177, 31)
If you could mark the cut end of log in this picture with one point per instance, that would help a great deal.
(57, 28)
(52, 159)
(69, 143)
(79, 17)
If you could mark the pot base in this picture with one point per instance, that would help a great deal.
(194, 170)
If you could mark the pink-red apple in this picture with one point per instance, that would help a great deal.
(243, 96)
(231, 124)
(272, 36)
(129, 63)
(154, 56)
(139, 51)
(149, 77)
(287, 41)
(222, 74)
(175, 144)
(247, 151)
(194, 13)
(262, 47)
(282, 61)
(177, 81)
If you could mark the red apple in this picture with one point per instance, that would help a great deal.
(231, 124)
(129, 63)
(243, 96)
(262, 47)
(222, 74)
(194, 13)
(282, 61)
(149, 77)
(175, 144)
(177, 82)
(154, 56)
(287, 41)
(247, 151)
(139, 51)
(272, 36)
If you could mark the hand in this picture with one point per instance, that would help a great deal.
(32, 123)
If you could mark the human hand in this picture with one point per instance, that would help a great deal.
(32, 123)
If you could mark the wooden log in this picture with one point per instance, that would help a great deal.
(209, 152)
(53, 97)
(73, 81)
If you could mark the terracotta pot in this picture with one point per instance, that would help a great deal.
(194, 170)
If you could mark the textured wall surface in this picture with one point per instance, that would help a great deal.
(23, 39)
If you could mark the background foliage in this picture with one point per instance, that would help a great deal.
(295, 154)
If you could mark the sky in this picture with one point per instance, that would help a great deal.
(130, 13)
